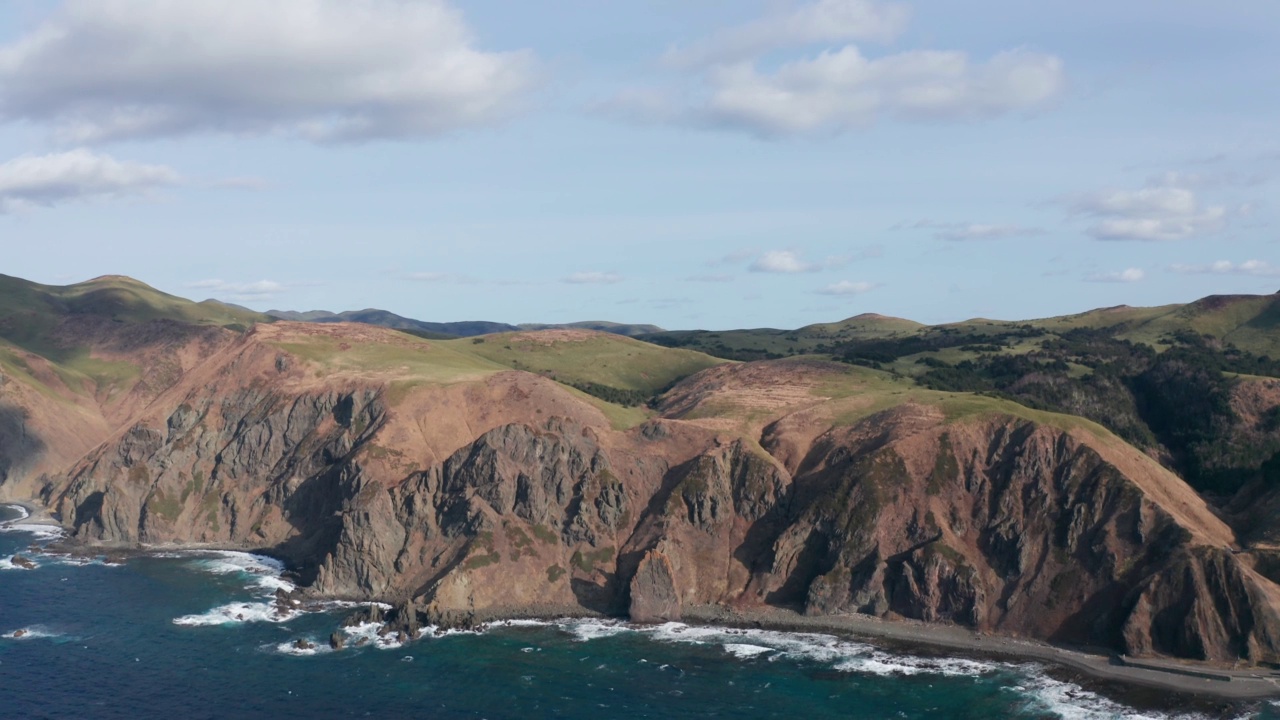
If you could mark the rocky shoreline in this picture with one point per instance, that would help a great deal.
(406, 621)
(1203, 680)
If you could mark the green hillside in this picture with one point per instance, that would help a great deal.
(41, 320)
(612, 367)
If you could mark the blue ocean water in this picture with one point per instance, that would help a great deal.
(193, 635)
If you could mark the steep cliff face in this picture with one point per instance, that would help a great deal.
(241, 453)
(998, 524)
(389, 468)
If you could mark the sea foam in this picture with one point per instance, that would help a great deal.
(1069, 701)
(265, 571)
(34, 632)
(1042, 693)
(264, 579)
(238, 612)
(7, 564)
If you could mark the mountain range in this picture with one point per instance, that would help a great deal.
(1107, 479)
(442, 330)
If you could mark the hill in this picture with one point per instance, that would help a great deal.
(572, 470)
(470, 328)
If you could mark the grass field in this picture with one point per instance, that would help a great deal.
(573, 358)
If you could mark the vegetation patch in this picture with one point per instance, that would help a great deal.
(945, 467)
(587, 562)
(544, 534)
(475, 562)
(164, 506)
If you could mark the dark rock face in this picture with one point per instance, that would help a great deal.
(250, 468)
(19, 446)
(653, 592)
(1205, 605)
(1011, 528)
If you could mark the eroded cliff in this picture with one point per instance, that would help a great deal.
(385, 467)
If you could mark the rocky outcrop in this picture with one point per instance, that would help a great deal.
(234, 461)
(653, 593)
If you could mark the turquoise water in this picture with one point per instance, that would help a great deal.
(192, 636)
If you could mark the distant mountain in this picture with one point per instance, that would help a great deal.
(469, 328)
(599, 326)
(1246, 322)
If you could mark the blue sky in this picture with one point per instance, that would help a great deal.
(708, 164)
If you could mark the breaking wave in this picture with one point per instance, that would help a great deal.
(1042, 693)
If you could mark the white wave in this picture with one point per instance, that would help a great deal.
(238, 612)
(267, 571)
(41, 531)
(291, 648)
(520, 623)
(843, 655)
(878, 662)
(31, 633)
(366, 635)
(586, 630)
(8, 564)
(1069, 701)
(81, 561)
(744, 650)
(23, 513)
(797, 646)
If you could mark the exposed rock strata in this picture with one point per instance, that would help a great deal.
(453, 504)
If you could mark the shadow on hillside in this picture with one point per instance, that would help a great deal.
(19, 447)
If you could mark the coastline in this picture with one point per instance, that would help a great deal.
(34, 514)
(1201, 680)
(910, 635)
(915, 637)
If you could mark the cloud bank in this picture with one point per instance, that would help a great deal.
(323, 70)
(1155, 213)
(58, 178)
(840, 89)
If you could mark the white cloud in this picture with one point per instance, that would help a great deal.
(1130, 275)
(839, 89)
(326, 70)
(963, 232)
(824, 21)
(1259, 268)
(846, 287)
(46, 180)
(259, 290)
(1153, 213)
(842, 90)
(593, 278)
(782, 261)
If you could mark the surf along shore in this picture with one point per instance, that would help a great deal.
(1203, 680)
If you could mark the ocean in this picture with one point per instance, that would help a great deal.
(195, 635)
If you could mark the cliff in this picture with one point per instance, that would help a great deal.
(432, 475)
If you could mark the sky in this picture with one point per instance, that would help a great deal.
(704, 164)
